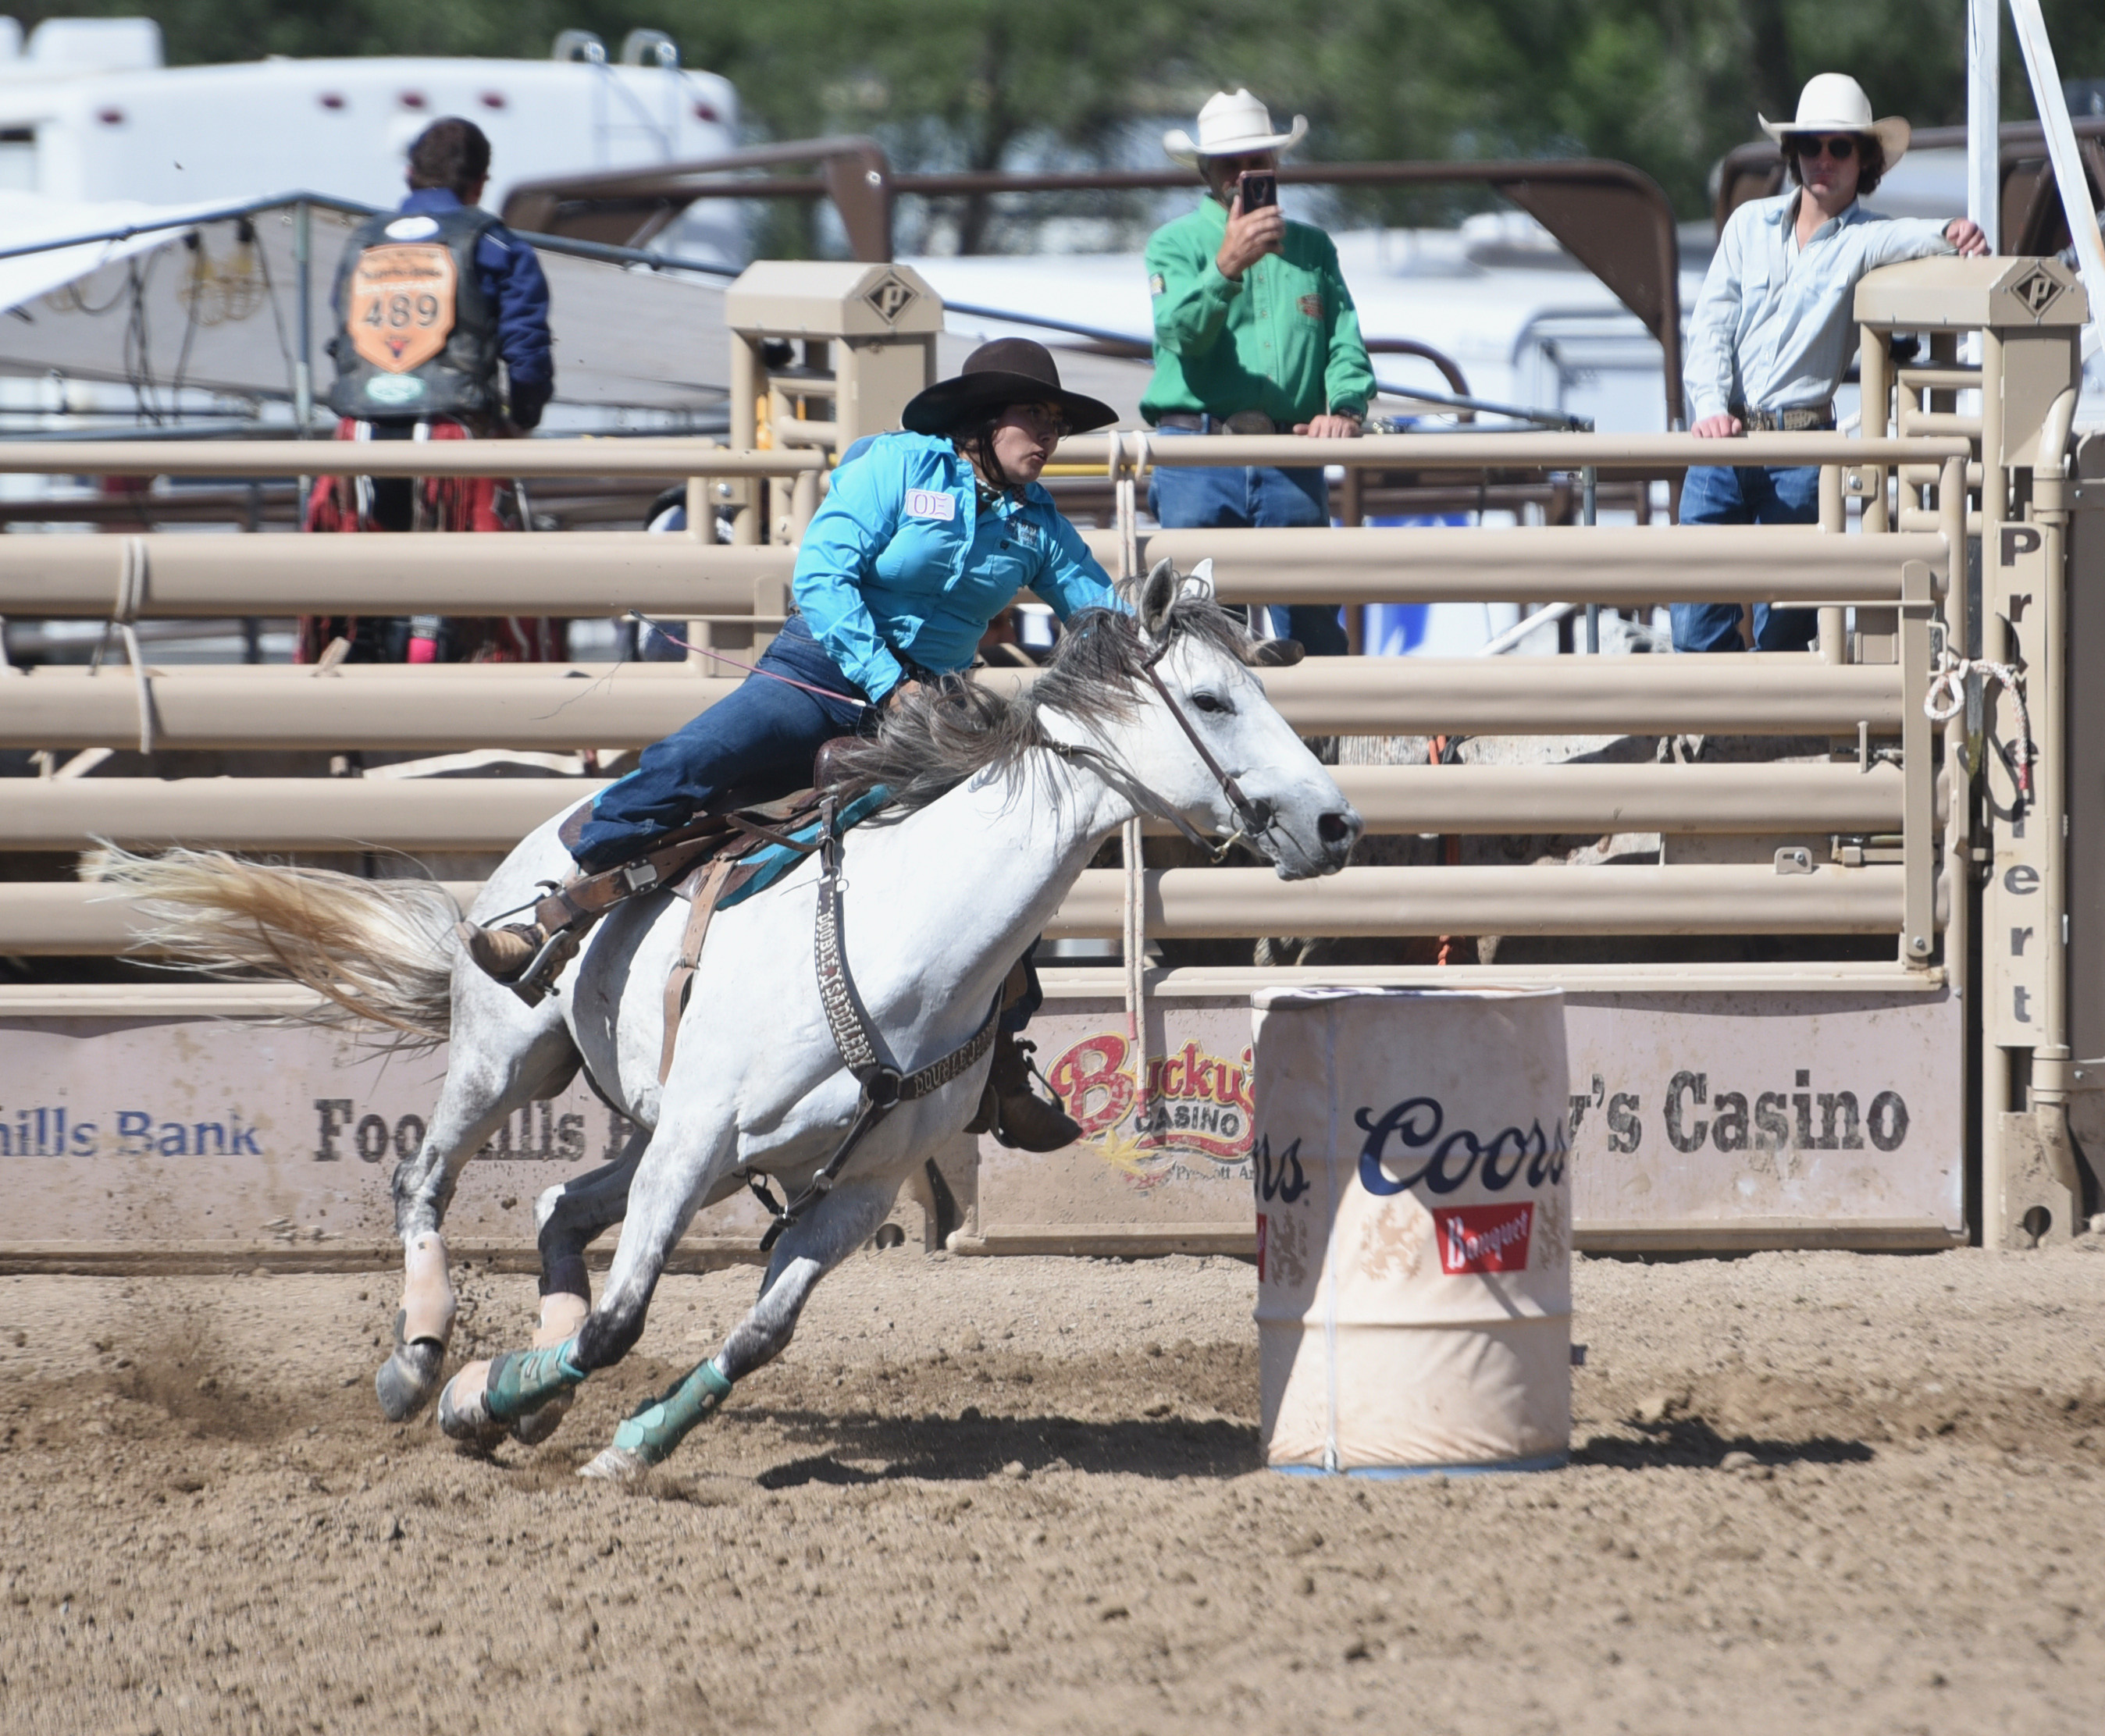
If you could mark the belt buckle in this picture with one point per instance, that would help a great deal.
(1249, 422)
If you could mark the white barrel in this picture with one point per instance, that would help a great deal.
(1414, 1229)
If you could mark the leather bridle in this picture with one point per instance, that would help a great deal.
(1254, 817)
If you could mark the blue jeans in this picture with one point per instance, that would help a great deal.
(762, 736)
(1243, 497)
(1747, 494)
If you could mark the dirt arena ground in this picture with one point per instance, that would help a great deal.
(1823, 1491)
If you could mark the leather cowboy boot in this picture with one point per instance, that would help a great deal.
(1021, 1119)
(501, 954)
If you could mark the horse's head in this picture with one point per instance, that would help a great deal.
(1263, 782)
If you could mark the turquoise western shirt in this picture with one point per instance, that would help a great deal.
(1284, 338)
(899, 559)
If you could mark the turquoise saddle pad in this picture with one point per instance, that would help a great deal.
(771, 862)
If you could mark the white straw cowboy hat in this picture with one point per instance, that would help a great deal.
(1230, 126)
(1834, 102)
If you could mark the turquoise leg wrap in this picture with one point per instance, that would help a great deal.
(654, 1431)
(523, 1381)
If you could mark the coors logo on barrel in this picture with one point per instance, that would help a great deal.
(1454, 1154)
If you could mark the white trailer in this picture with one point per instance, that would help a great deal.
(89, 114)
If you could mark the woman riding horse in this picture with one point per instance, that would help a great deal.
(925, 537)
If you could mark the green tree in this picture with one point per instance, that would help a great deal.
(1669, 84)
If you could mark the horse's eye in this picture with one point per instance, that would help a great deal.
(1211, 702)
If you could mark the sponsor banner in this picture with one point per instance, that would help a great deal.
(1712, 1107)
(1688, 1108)
(201, 1133)
(1178, 1153)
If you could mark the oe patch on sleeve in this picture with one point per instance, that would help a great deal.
(930, 503)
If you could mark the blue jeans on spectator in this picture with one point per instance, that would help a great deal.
(762, 735)
(1243, 497)
(1748, 494)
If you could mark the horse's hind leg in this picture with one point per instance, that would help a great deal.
(529, 1055)
(828, 1231)
(570, 1215)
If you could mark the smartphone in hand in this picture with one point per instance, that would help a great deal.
(1259, 189)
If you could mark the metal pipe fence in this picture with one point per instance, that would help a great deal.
(1826, 698)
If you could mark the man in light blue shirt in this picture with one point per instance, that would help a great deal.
(1774, 328)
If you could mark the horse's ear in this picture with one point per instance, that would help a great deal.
(1199, 582)
(1158, 596)
(1274, 654)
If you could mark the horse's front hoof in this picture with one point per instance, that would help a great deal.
(406, 1381)
(617, 1464)
(464, 1408)
(536, 1426)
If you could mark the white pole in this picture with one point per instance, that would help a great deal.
(2053, 106)
(1984, 71)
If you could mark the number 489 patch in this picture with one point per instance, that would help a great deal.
(402, 300)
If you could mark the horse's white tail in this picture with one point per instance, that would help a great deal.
(380, 951)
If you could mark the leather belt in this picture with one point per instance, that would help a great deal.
(1243, 422)
(1803, 420)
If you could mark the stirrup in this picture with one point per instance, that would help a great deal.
(539, 978)
(480, 943)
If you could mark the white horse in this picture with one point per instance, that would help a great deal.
(1003, 803)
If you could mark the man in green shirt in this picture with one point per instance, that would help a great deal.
(1254, 334)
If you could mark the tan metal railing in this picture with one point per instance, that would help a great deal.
(487, 813)
(538, 706)
(1826, 697)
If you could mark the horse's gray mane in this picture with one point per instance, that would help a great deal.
(933, 740)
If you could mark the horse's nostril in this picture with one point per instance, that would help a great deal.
(1336, 828)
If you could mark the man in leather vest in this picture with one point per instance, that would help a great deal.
(442, 333)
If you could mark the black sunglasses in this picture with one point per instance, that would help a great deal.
(1841, 147)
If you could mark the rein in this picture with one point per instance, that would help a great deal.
(670, 638)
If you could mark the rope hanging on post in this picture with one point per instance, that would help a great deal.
(124, 612)
(1133, 945)
(1947, 699)
(1133, 928)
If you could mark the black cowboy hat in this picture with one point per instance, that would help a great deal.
(1010, 370)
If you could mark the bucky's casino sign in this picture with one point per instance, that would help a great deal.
(1196, 1102)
